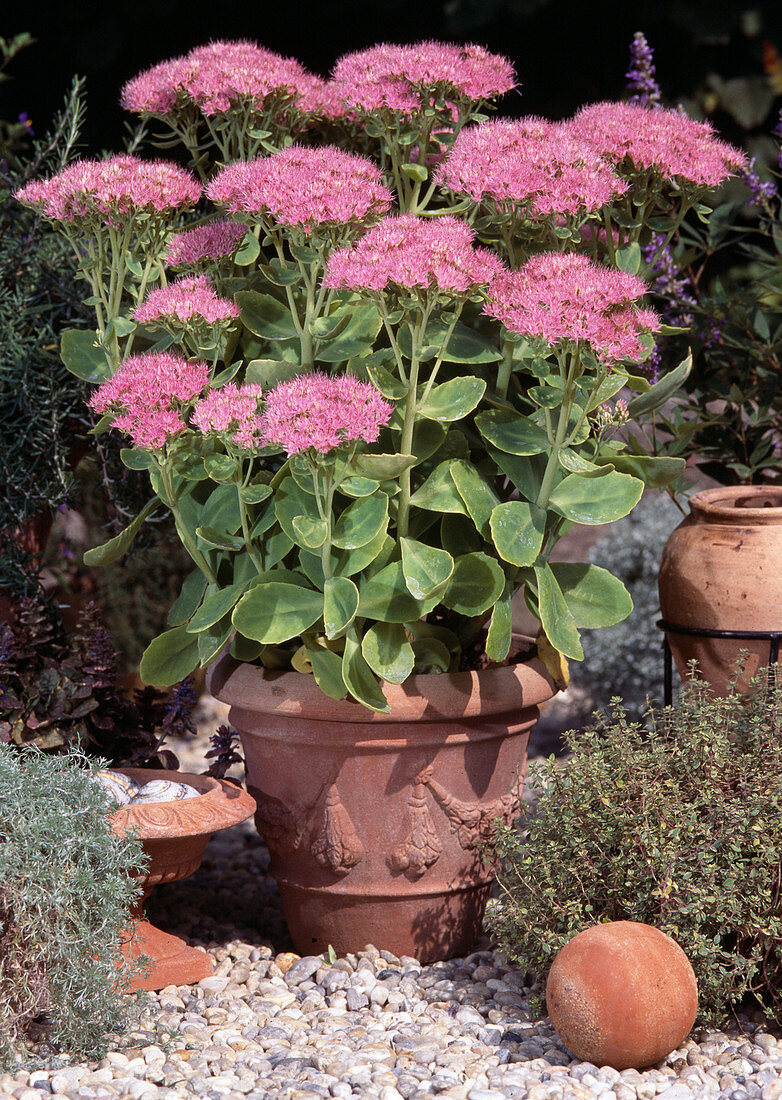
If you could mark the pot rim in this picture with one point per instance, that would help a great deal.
(743, 505)
(219, 806)
(427, 697)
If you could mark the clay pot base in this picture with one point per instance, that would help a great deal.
(172, 962)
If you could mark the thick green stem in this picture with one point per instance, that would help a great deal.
(408, 427)
(251, 550)
(560, 437)
(505, 369)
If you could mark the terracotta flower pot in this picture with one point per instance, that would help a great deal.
(174, 835)
(376, 823)
(721, 569)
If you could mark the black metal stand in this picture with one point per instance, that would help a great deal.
(773, 637)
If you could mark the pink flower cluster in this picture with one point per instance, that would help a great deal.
(402, 78)
(302, 186)
(233, 409)
(532, 162)
(188, 299)
(563, 297)
(651, 137)
(144, 394)
(213, 241)
(408, 251)
(111, 188)
(214, 77)
(316, 411)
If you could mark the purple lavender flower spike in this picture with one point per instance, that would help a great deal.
(641, 83)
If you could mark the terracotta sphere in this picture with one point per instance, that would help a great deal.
(621, 994)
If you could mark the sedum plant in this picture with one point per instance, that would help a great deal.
(676, 825)
(65, 894)
(374, 412)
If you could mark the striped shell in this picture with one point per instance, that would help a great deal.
(163, 790)
(119, 789)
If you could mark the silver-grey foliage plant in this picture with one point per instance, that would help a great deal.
(65, 893)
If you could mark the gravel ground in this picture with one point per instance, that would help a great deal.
(269, 1024)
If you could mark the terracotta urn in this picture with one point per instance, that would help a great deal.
(721, 569)
(377, 824)
(622, 994)
(174, 836)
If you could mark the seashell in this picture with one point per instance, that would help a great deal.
(118, 788)
(163, 790)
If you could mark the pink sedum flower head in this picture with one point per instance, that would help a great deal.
(215, 77)
(111, 189)
(214, 241)
(530, 162)
(304, 187)
(318, 412)
(402, 79)
(406, 251)
(146, 392)
(189, 299)
(565, 298)
(670, 143)
(232, 409)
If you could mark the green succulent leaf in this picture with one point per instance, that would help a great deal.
(358, 336)
(453, 400)
(327, 670)
(517, 530)
(426, 569)
(439, 493)
(380, 467)
(340, 604)
(190, 596)
(311, 531)
(218, 602)
(476, 584)
(594, 597)
(212, 639)
(361, 522)
(83, 356)
(558, 623)
(265, 316)
(655, 472)
(169, 658)
(575, 463)
(661, 391)
(500, 632)
(360, 680)
(431, 655)
(113, 550)
(593, 500)
(479, 498)
(137, 460)
(386, 597)
(269, 372)
(219, 539)
(255, 494)
(511, 433)
(388, 652)
(221, 468)
(274, 612)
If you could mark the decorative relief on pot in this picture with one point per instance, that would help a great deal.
(284, 826)
(421, 847)
(336, 843)
(473, 822)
